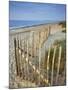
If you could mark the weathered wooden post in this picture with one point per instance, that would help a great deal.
(48, 63)
(16, 56)
(44, 60)
(39, 55)
(58, 66)
(33, 45)
(24, 61)
(27, 59)
(21, 66)
(39, 63)
(53, 66)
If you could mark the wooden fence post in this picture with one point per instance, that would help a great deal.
(58, 67)
(39, 57)
(48, 64)
(21, 58)
(53, 66)
(16, 56)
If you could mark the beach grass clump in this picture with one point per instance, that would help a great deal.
(63, 24)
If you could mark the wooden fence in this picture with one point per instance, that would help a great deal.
(29, 57)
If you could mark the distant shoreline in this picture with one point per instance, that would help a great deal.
(53, 27)
(56, 22)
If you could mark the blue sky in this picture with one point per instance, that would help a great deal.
(36, 11)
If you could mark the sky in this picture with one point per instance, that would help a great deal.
(36, 11)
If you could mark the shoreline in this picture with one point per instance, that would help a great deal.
(27, 28)
(52, 26)
(57, 22)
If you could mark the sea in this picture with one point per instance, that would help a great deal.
(26, 23)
